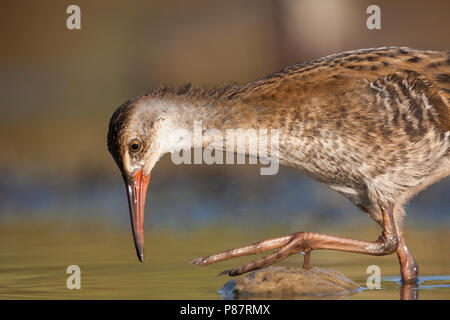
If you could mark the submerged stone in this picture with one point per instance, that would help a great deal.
(290, 283)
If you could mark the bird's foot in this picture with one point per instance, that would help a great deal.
(254, 248)
(286, 246)
(297, 242)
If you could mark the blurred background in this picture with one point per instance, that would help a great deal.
(59, 88)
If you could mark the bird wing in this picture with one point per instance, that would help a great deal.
(413, 98)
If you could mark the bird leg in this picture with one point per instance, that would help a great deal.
(306, 259)
(297, 242)
(409, 268)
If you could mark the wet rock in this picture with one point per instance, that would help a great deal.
(290, 283)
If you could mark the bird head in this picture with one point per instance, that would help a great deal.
(133, 141)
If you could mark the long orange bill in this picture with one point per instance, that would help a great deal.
(137, 191)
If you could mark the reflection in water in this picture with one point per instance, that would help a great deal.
(411, 291)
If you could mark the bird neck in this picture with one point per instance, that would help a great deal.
(216, 119)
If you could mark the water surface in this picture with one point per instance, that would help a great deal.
(33, 261)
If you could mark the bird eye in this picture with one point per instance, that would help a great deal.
(135, 145)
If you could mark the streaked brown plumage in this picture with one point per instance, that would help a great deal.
(373, 124)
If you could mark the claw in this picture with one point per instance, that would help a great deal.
(203, 261)
(224, 273)
(197, 261)
(231, 272)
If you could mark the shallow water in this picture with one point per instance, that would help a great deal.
(33, 262)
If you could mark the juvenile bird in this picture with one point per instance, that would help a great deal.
(372, 124)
